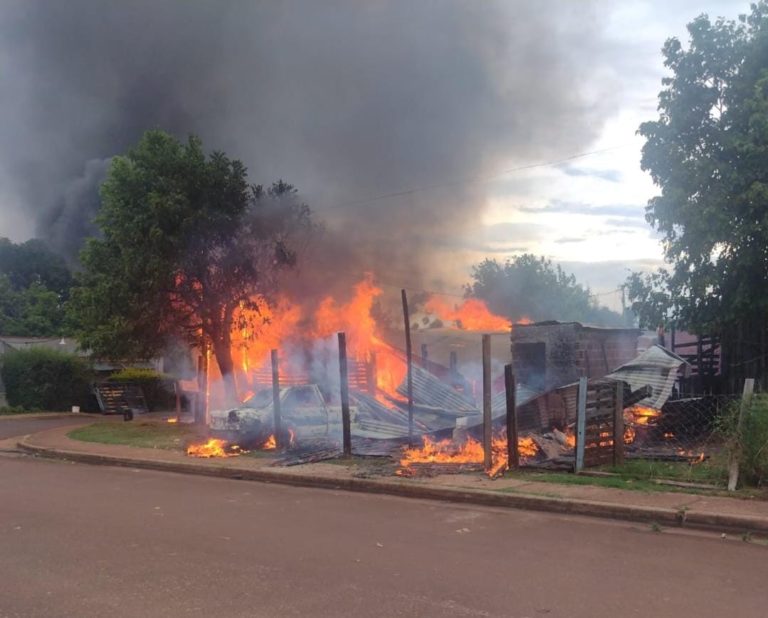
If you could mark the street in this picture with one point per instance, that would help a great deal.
(84, 541)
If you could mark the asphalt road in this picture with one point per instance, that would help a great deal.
(82, 541)
(21, 425)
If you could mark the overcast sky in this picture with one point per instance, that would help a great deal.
(450, 98)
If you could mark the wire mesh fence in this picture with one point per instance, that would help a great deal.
(684, 428)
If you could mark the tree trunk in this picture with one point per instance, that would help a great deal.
(223, 352)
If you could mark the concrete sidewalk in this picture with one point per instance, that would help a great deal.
(663, 508)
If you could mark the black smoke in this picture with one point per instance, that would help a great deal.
(348, 100)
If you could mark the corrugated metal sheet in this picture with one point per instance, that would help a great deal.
(430, 391)
(658, 368)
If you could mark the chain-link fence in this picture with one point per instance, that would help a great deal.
(685, 428)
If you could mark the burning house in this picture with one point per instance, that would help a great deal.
(447, 387)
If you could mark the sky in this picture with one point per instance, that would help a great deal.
(427, 135)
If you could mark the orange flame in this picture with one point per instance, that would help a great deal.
(214, 447)
(270, 444)
(471, 451)
(172, 420)
(472, 314)
(364, 344)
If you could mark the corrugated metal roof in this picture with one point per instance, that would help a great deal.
(430, 391)
(656, 367)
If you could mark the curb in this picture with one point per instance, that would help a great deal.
(670, 517)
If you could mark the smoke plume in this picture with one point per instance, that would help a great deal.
(347, 100)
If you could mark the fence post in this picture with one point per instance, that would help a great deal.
(513, 455)
(487, 421)
(277, 420)
(581, 423)
(409, 364)
(618, 425)
(733, 466)
(345, 422)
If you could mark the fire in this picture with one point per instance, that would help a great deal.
(172, 420)
(641, 415)
(364, 343)
(270, 444)
(472, 314)
(471, 451)
(570, 439)
(213, 447)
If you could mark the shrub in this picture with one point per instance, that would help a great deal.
(750, 444)
(45, 379)
(157, 387)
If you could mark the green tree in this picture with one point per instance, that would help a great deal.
(533, 287)
(33, 262)
(34, 284)
(34, 311)
(186, 242)
(708, 154)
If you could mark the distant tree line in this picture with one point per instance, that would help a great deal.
(533, 287)
(34, 287)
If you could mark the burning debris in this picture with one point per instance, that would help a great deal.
(214, 447)
(452, 456)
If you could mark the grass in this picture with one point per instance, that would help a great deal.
(648, 476)
(140, 434)
(613, 482)
(712, 470)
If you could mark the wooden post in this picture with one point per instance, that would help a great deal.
(409, 362)
(618, 425)
(733, 467)
(207, 384)
(454, 362)
(177, 392)
(581, 423)
(487, 421)
(277, 420)
(345, 421)
(513, 456)
(424, 355)
(199, 410)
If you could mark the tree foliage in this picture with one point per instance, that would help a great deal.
(533, 287)
(34, 284)
(33, 262)
(708, 154)
(186, 242)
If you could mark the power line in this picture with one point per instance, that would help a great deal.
(474, 180)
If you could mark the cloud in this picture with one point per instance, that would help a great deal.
(607, 175)
(569, 239)
(629, 222)
(580, 208)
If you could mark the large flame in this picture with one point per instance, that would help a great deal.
(214, 447)
(471, 314)
(364, 343)
(471, 451)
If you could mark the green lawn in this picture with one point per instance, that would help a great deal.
(614, 482)
(142, 434)
(713, 470)
(648, 475)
